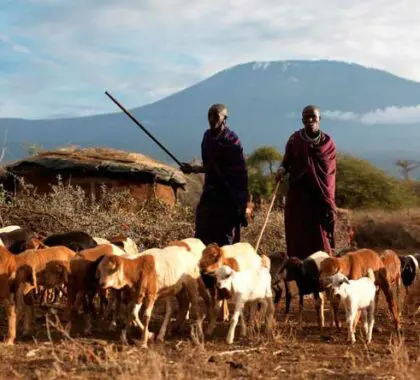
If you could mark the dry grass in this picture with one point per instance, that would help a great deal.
(152, 225)
(288, 351)
(398, 229)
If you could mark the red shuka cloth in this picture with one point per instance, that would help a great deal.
(312, 170)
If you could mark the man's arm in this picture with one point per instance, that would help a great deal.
(286, 162)
(188, 168)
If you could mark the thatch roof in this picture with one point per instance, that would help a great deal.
(101, 160)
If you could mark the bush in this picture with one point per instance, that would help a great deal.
(68, 208)
(361, 185)
(155, 224)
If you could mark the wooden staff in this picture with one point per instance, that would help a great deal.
(268, 215)
(142, 127)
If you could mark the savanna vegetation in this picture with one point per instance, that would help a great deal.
(383, 213)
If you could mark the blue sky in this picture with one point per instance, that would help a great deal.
(57, 57)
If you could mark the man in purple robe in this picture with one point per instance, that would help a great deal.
(222, 208)
(310, 212)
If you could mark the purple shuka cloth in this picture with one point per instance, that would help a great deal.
(225, 191)
(311, 193)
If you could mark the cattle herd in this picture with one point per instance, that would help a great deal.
(79, 268)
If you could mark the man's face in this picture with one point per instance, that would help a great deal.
(310, 119)
(218, 120)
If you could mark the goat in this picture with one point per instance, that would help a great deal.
(354, 265)
(155, 273)
(306, 275)
(249, 285)
(7, 276)
(409, 270)
(14, 238)
(75, 240)
(33, 264)
(358, 296)
(238, 256)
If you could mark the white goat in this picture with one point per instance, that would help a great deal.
(358, 296)
(249, 285)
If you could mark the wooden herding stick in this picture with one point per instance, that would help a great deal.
(268, 215)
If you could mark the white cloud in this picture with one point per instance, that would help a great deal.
(21, 49)
(85, 46)
(339, 115)
(392, 115)
(388, 115)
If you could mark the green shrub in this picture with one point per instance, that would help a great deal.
(359, 184)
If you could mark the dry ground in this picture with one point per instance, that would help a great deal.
(291, 352)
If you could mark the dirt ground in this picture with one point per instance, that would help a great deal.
(289, 352)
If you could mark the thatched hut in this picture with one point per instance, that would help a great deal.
(91, 168)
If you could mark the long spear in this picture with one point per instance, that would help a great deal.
(142, 128)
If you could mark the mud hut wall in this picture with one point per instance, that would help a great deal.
(141, 189)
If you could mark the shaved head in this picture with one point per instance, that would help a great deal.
(310, 109)
(217, 116)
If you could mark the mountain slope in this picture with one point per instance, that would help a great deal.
(264, 101)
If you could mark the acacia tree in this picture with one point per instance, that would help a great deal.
(407, 166)
(265, 157)
(263, 164)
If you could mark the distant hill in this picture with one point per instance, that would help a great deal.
(264, 101)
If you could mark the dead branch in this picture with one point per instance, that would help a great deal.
(238, 351)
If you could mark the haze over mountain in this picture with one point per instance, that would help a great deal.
(369, 112)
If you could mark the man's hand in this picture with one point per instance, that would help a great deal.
(186, 168)
(280, 174)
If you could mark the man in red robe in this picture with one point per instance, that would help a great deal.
(310, 212)
(222, 208)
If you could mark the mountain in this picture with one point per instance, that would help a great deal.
(264, 102)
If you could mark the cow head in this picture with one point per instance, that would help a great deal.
(224, 280)
(328, 267)
(56, 273)
(211, 259)
(110, 273)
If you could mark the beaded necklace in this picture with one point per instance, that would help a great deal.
(309, 139)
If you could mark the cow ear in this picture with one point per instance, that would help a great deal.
(112, 265)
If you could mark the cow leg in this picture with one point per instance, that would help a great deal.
(234, 321)
(288, 297)
(183, 309)
(319, 306)
(28, 317)
(80, 299)
(365, 323)
(392, 305)
(11, 320)
(205, 295)
(192, 292)
(243, 325)
(371, 321)
(166, 319)
(113, 308)
(269, 317)
(356, 319)
(150, 302)
(213, 312)
(300, 317)
(351, 314)
(335, 303)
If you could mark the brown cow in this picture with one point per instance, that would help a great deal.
(355, 265)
